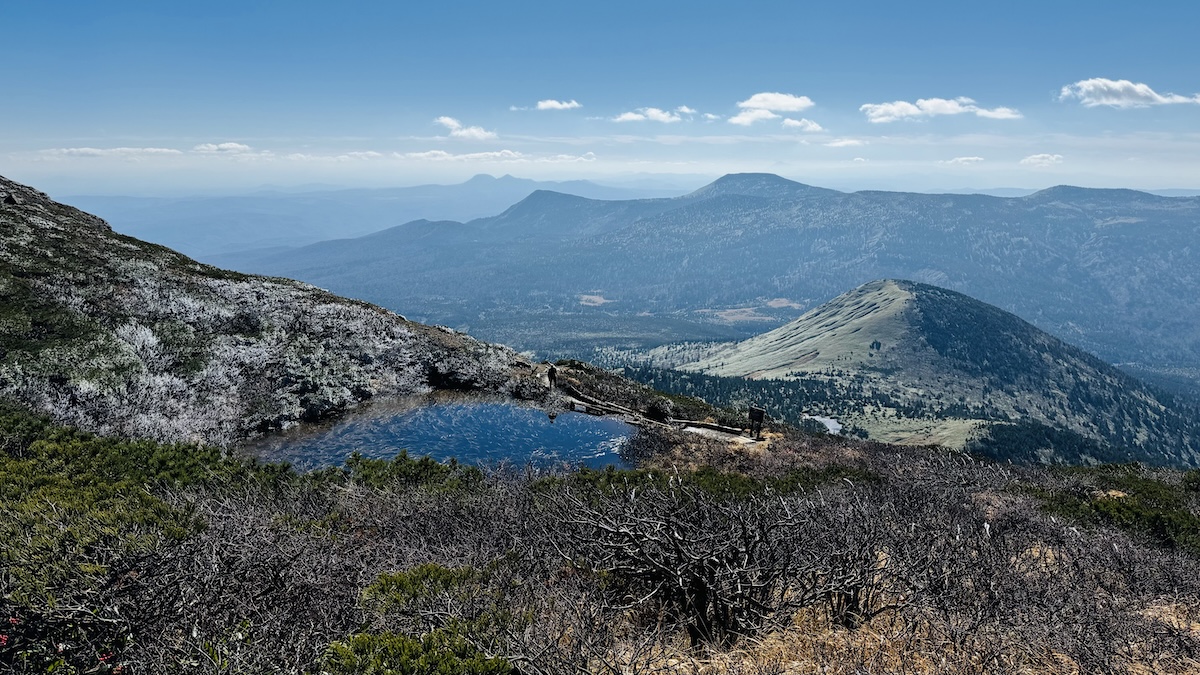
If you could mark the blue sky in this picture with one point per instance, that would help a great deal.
(148, 97)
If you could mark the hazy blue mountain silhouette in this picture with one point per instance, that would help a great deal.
(205, 225)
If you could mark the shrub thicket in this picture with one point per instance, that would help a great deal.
(153, 558)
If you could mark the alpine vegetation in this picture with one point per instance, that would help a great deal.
(120, 337)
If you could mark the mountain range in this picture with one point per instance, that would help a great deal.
(1113, 271)
(200, 226)
(122, 337)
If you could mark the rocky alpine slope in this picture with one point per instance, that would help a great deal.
(121, 337)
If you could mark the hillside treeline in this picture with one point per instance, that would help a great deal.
(1012, 438)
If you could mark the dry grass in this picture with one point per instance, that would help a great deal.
(899, 645)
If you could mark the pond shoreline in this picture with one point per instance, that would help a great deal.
(481, 430)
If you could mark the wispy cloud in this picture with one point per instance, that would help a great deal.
(234, 151)
(931, 107)
(458, 130)
(776, 102)
(648, 114)
(130, 153)
(1042, 159)
(222, 148)
(358, 155)
(554, 159)
(846, 143)
(683, 109)
(494, 156)
(240, 151)
(962, 161)
(752, 115)
(552, 104)
(1100, 91)
(802, 124)
(443, 156)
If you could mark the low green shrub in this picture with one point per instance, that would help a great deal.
(403, 470)
(440, 652)
(398, 590)
(1124, 496)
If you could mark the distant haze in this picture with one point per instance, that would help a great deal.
(206, 225)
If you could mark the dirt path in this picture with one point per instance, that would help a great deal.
(577, 401)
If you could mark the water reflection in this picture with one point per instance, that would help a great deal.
(472, 431)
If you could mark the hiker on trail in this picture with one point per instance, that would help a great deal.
(552, 375)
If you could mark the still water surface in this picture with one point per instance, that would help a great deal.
(484, 433)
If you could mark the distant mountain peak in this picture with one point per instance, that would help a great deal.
(548, 197)
(759, 185)
(483, 179)
(1072, 192)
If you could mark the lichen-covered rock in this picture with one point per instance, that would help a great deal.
(122, 337)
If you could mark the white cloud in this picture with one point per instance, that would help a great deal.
(651, 114)
(1042, 159)
(802, 125)
(683, 109)
(846, 143)
(473, 133)
(711, 117)
(130, 153)
(963, 161)
(585, 157)
(1120, 94)
(457, 130)
(656, 115)
(930, 107)
(1001, 113)
(551, 104)
(890, 112)
(777, 102)
(861, 160)
(752, 115)
(443, 156)
(222, 148)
